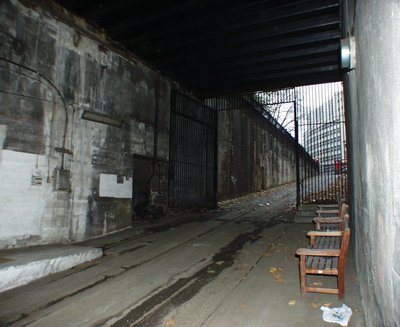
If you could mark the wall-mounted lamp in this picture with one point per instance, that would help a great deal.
(347, 53)
(102, 119)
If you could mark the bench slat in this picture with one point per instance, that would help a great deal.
(322, 264)
(335, 262)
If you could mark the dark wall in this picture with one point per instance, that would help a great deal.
(50, 73)
(252, 155)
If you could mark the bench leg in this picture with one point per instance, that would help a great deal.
(340, 286)
(303, 275)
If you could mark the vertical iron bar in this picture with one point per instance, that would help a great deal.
(315, 140)
(305, 131)
(343, 140)
(297, 149)
(331, 175)
(317, 111)
(171, 151)
(321, 99)
(326, 136)
(323, 127)
(332, 107)
(215, 161)
(335, 115)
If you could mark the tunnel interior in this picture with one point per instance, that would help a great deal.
(108, 107)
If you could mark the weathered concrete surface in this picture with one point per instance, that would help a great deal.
(212, 270)
(53, 67)
(19, 267)
(373, 119)
(50, 72)
(251, 155)
(252, 293)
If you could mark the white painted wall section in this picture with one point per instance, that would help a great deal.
(22, 204)
(109, 187)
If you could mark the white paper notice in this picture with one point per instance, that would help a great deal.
(109, 187)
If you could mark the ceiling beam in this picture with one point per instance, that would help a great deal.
(276, 56)
(176, 44)
(261, 70)
(224, 18)
(329, 75)
(214, 56)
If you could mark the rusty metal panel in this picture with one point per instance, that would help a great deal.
(193, 158)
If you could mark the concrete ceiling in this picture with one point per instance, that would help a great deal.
(226, 46)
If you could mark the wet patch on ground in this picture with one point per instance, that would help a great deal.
(152, 311)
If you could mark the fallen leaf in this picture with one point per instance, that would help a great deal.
(220, 263)
(292, 302)
(170, 323)
(315, 305)
(211, 271)
(278, 278)
(273, 270)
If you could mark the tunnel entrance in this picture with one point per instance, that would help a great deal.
(314, 116)
(322, 132)
(193, 154)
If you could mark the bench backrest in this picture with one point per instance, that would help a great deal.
(344, 246)
(344, 211)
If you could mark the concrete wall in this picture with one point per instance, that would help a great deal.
(64, 178)
(49, 73)
(373, 116)
(252, 156)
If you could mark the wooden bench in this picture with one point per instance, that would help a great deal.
(326, 255)
(334, 206)
(333, 222)
(328, 206)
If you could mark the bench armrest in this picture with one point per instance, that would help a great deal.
(327, 220)
(327, 211)
(321, 206)
(324, 233)
(318, 252)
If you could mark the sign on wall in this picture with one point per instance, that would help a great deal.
(112, 186)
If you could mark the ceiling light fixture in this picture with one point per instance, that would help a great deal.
(348, 53)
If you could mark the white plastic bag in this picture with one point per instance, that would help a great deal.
(340, 316)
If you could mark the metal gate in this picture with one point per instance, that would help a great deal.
(321, 131)
(314, 116)
(193, 154)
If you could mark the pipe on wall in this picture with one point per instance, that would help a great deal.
(58, 93)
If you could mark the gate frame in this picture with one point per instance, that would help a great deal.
(210, 202)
